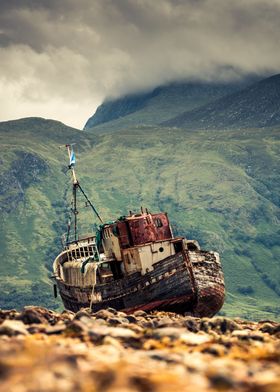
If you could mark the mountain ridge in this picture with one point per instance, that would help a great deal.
(162, 103)
(44, 123)
(253, 102)
(257, 105)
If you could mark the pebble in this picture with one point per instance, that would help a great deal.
(104, 314)
(76, 328)
(112, 310)
(216, 350)
(80, 314)
(67, 315)
(221, 381)
(192, 324)
(13, 328)
(164, 322)
(247, 335)
(37, 315)
(55, 329)
(117, 320)
(97, 334)
(194, 339)
(131, 318)
(140, 313)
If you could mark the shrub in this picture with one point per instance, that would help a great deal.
(245, 290)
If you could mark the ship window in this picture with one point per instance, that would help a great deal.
(86, 251)
(192, 247)
(178, 246)
(161, 249)
(158, 222)
(116, 231)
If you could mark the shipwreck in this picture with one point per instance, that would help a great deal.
(135, 262)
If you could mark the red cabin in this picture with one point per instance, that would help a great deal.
(143, 228)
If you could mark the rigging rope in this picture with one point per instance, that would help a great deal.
(93, 297)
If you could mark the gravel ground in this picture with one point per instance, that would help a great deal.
(41, 350)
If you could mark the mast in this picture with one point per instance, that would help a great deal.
(76, 186)
(72, 161)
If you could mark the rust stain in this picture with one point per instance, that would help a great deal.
(142, 229)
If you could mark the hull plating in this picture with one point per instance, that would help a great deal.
(188, 282)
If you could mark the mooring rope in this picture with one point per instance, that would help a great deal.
(96, 265)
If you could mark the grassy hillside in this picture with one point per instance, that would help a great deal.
(257, 106)
(159, 105)
(221, 187)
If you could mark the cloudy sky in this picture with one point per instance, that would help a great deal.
(60, 59)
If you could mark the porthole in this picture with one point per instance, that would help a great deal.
(161, 249)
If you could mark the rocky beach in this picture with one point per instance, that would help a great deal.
(41, 350)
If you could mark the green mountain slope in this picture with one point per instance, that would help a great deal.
(221, 187)
(159, 105)
(255, 106)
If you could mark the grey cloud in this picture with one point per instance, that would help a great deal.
(73, 52)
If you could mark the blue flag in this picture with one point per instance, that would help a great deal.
(72, 158)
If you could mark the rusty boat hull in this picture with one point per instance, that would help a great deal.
(189, 282)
